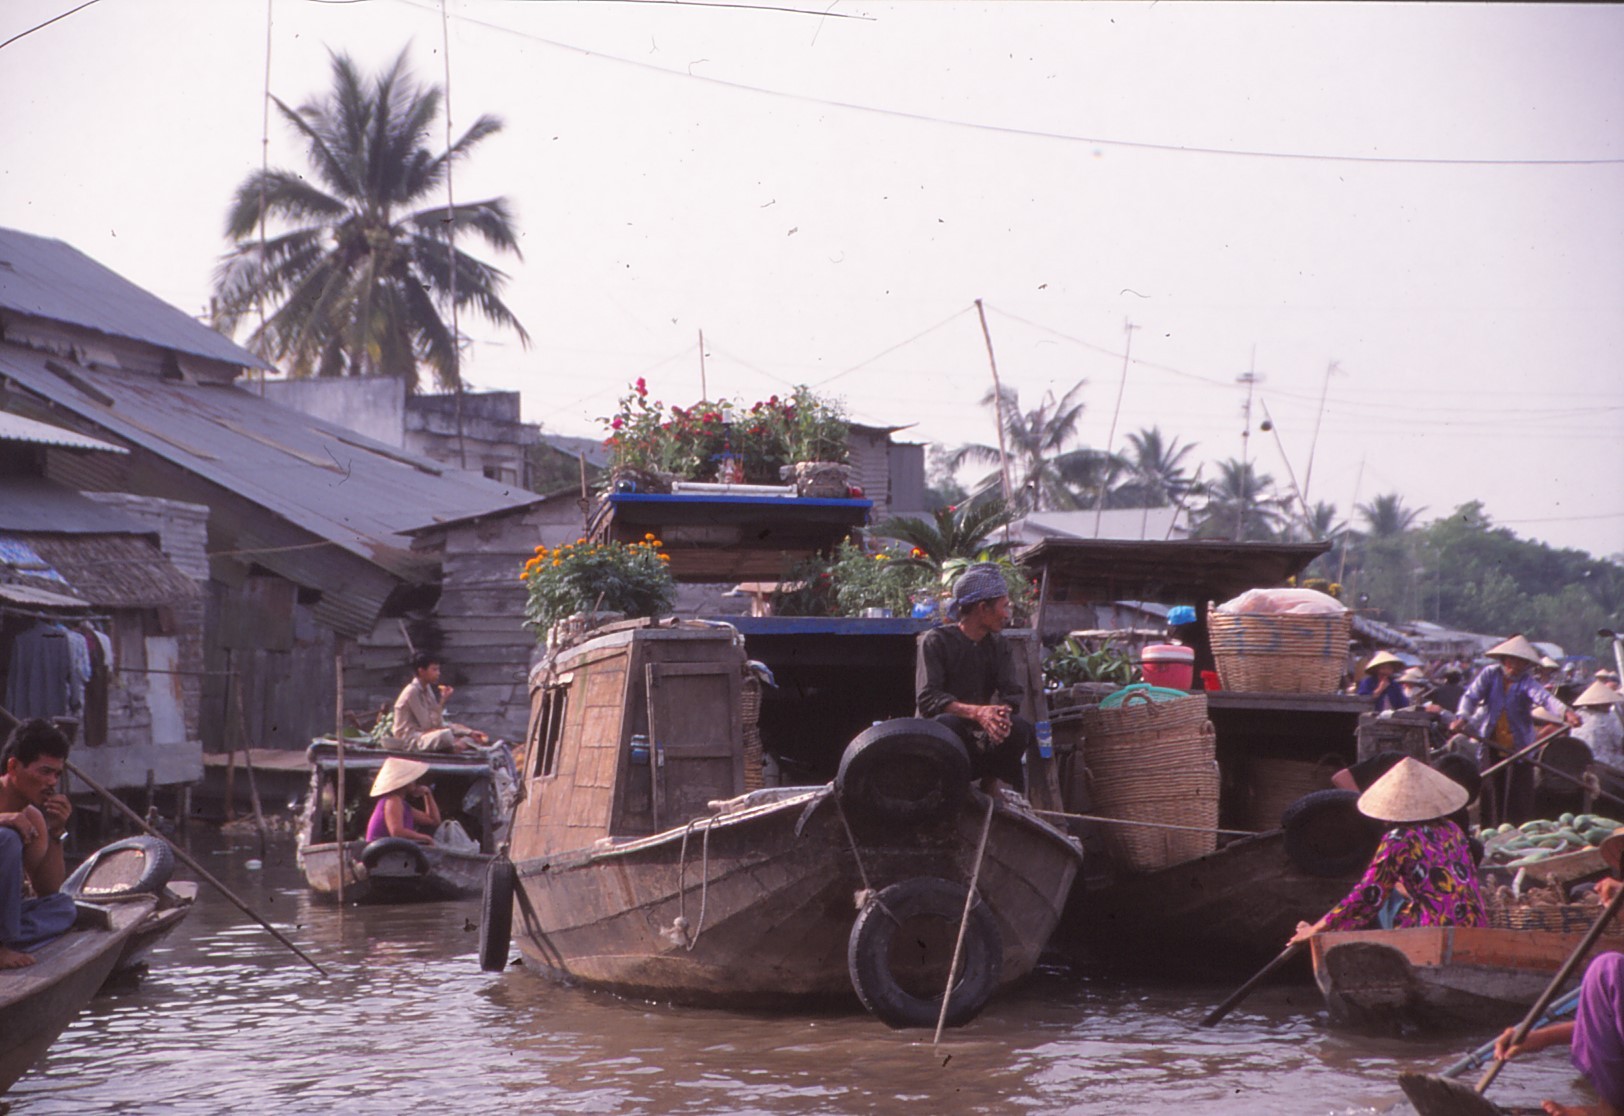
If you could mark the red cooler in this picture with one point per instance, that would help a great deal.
(1168, 664)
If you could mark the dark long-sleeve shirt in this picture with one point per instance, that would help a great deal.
(951, 667)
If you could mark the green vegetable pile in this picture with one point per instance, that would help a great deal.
(1512, 846)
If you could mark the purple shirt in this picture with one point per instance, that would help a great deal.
(1428, 866)
(378, 825)
(1598, 1027)
(1490, 695)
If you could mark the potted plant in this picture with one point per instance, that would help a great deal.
(576, 586)
(815, 434)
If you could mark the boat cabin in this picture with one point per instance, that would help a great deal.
(463, 786)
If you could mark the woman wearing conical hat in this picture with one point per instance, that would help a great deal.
(405, 807)
(1498, 707)
(1602, 732)
(1378, 682)
(1422, 873)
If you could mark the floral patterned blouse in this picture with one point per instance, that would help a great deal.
(1428, 867)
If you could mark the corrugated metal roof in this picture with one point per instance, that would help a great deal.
(38, 598)
(361, 495)
(37, 504)
(53, 280)
(16, 428)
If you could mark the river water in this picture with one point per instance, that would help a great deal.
(228, 1019)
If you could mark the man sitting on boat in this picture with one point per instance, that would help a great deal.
(1499, 705)
(405, 807)
(1422, 873)
(965, 678)
(420, 712)
(33, 822)
(1596, 1032)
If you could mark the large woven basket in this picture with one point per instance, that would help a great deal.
(1566, 918)
(750, 714)
(1268, 784)
(1272, 653)
(1149, 761)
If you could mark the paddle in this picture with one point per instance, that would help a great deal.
(1560, 1008)
(1438, 1096)
(187, 857)
(1245, 990)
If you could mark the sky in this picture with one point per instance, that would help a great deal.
(1412, 211)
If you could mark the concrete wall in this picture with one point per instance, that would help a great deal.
(372, 405)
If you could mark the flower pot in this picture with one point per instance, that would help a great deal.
(628, 480)
(823, 479)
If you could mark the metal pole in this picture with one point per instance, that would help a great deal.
(338, 804)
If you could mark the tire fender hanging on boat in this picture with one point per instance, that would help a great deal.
(873, 953)
(383, 846)
(1327, 836)
(134, 866)
(496, 915)
(905, 771)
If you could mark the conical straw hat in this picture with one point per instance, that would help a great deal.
(1612, 849)
(397, 772)
(1382, 658)
(1540, 713)
(1599, 693)
(1515, 648)
(1548, 663)
(1412, 792)
(1415, 675)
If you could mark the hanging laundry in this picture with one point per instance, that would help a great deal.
(38, 683)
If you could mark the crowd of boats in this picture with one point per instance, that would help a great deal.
(651, 852)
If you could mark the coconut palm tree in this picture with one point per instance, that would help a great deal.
(1386, 516)
(1240, 506)
(1155, 471)
(357, 271)
(1047, 475)
(963, 531)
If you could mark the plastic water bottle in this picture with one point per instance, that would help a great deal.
(1045, 735)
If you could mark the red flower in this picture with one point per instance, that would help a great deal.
(618, 423)
(642, 387)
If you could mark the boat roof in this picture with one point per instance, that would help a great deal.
(1188, 571)
(324, 754)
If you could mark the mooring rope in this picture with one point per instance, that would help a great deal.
(681, 922)
(964, 921)
(1150, 825)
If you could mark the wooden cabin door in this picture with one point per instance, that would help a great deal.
(695, 722)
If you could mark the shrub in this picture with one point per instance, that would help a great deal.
(632, 579)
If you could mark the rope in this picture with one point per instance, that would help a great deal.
(964, 921)
(862, 873)
(1151, 825)
(680, 924)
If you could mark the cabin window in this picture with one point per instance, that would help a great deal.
(548, 728)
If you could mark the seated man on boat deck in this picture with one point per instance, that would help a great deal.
(965, 678)
(1596, 1032)
(33, 822)
(405, 807)
(1422, 873)
(420, 712)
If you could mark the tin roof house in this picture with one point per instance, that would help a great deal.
(309, 527)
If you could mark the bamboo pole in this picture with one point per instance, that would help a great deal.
(338, 804)
(998, 412)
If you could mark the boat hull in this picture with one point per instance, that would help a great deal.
(38, 1002)
(759, 905)
(1435, 978)
(1229, 911)
(446, 874)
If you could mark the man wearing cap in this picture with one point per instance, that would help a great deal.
(965, 678)
(1596, 1033)
(1378, 682)
(1499, 706)
(1601, 731)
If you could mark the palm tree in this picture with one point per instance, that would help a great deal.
(1155, 470)
(1386, 516)
(1322, 524)
(1240, 505)
(957, 532)
(1047, 474)
(360, 274)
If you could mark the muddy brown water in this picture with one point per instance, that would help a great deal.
(230, 1020)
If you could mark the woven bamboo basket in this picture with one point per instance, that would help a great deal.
(1269, 785)
(1149, 761)
(1565, 918)
(750, 714)
(1271, 653)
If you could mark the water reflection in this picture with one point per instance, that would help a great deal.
(229, 1019)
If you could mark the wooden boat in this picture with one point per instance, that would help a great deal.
(39, 1001)
(1439, 977)
(1227, 912)
(645, 863)
(394, 870)
(140, 864)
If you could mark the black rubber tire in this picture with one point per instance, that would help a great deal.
(384, 845)
(868, 953)
(496, 915)
(1463, 770)
(158, 864)
(1327, 836)
(904, 772)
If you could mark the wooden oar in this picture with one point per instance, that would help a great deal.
(1561, 1007)
(1433, 1095)
(1245, 990)
(190, 861)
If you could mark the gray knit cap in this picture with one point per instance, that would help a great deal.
(983, 581)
